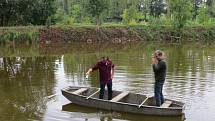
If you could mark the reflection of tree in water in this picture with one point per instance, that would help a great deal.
(24, 84)
(82, 47)
(190, 69)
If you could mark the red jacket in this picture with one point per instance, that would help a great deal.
(104, 67)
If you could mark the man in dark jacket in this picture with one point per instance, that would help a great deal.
(106, 72)
(159, 68)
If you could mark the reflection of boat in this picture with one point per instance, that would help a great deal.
(86, 112)
(122, 101)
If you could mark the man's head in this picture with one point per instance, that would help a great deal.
(158, 54)
(104, 58)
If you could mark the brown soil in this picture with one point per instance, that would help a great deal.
(89, 35)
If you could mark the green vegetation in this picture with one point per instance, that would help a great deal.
(14, 35)
(181, 12)
(176, 13)
(154, 18)
(25, 12)
(96, 7)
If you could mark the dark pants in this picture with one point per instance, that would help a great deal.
(158, 92)
(102, 90)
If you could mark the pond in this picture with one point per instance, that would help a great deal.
(31, 79)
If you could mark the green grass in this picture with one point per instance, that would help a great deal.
(192, 31)
(19, 34)
(15, 29)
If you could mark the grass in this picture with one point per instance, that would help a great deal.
(14, 29)
(192, 31)
(19, 34)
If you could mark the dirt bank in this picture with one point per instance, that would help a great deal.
(121, 34)
(90, 35)
(126, 34)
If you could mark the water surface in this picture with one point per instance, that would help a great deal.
(31, 75)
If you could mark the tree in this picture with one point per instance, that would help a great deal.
(96, 7)
(181, 11)
(129, 15)
(203, 15)
(144, 7)
(157, 7)
(41, 10)
(66, 6)
(79, 11)
(115, 9)
(7, 11)
(211, 4)
(168, 12)
(24, 12)
(196, 6)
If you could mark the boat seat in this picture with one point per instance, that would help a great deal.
(166, 104)
(119, 97)
(79, 91)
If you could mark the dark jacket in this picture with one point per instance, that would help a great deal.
(160, 70)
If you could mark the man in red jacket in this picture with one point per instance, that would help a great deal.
(106, 73)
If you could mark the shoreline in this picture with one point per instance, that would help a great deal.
(113, 34)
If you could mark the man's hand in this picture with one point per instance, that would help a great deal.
(112, 72)
(89, 71)
(154, 60)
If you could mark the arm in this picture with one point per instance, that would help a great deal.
(92, 69)
(89, 71)
(112, 72)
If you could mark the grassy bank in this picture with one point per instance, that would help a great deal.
(202, 34)
(116, 33)
(19, 35)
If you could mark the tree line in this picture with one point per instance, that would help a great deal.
(40, 12)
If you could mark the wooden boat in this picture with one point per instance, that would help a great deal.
(122, 101)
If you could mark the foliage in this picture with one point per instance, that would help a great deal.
(96, 7)
(20, 37)
(181, 11)
(125, 16)
(211, 7)
(203, 16)
(162, 21)
(40, 12)
(25, 12)
(67, 20)
(196, 6)
(59, 16)
(130, 15)
(76, 12)
(116, 8)
(157, 7)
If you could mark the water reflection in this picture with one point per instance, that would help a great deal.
(24, 82)
(29, 75)
(88, 114)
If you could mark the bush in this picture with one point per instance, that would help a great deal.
(132, 22)
(162, 21)
(67, 20)
(130, 15)
(203, 16)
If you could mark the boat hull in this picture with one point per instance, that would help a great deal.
(121, 106)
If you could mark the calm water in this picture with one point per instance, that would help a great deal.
(29, 76)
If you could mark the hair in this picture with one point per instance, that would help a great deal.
(159, 52)
(106, 58)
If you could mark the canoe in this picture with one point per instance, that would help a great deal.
(122, 101)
